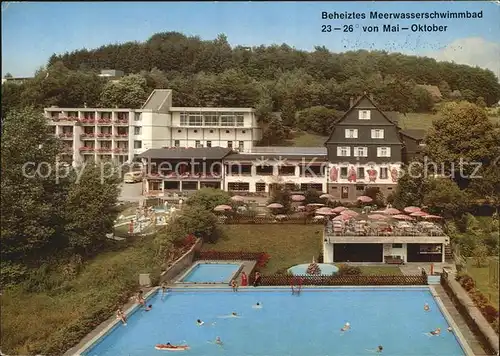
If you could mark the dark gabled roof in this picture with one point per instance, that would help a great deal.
(415, 134)
(187, 153)
(355, 104)
(393, 116)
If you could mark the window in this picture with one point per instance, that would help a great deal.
(197, 143)
(343, 172)
(227, 131)
(242, 187)
(179, 131)
(260, 187)
(397, 245)
(209, 143)
(360, 188)
(364, 114)
(195, 119)
(240, 120)
(243, 131)
(360, 151)
(351, 133)
(343, 151)
(137, 130)
(361, 172)
(211, 119)
(211, 131)
(377, 133)
(137, 144)
(177, 143)
(227, 120)
(241, 145)
(184, 119)
(229, 144)
(383, 152)
(137, 116)
(384, 172)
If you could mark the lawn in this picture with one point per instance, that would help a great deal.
(31, 321)
(288, 245)
(306, 139)
(481, 276)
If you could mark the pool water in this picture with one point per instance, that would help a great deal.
(326, 269)
(211, 273)
(304, 325)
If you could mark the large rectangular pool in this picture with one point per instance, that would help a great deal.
(211, 273)
(291, 325)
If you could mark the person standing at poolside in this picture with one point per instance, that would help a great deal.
(120, 315)
(140, 299)
(244, 279)
(257, 279)
(234, 285)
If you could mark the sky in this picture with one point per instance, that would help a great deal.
(33, 31)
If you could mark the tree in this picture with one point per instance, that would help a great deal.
(275, 132)
(281, 195)
(411, 186)
(463, 133)
(312, 196)
(487, 185)
(444, 197)
(480, 102)
(209, 198)
(480, 254)
(444, 88)
(8, 75)
(317, 119)
(128, 92)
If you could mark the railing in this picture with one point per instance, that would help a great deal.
(66, 135)
(233, 219)
(104, 135)
(87, 135)
(120, 150)
(121, 135)
(104, 121)
(104, 149)
(183, 176)
(381, 232)
(87, 149)
(121, 121)
(346, 280)
(87, 121)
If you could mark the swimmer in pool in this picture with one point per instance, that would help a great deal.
(234, 314)
(218, 341)
(148, 308)
(346, 327)
(199, 322)
(380, 348)
(450, 330)
(435, 332)
(257, 306)
(427, 307)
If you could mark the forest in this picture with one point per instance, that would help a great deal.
(277, 78)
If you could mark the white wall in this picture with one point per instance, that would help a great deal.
(327, 252)
(155, 131)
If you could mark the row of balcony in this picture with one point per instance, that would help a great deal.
(91, 120)
(103, 149)
(103, 135)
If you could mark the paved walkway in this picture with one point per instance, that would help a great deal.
(469, 336)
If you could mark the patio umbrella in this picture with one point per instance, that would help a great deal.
(377, 217)
(350, 213)
(411, 209)
(315, 204)
(342, 218)
(365, 199)
(391, 211)
(275, 206)
(339, 209)
(419, 213)
(318, 217)
(222, 208)
(432, 217)
(326, 196)
(402, 217)
(280, 217)
(237, 198)
(297, 197)
(325, 211)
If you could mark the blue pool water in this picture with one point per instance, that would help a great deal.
(211, 273)
(326, 269)
(305, 325)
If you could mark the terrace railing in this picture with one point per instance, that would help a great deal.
(345, 280)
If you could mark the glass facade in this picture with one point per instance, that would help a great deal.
(212, 119)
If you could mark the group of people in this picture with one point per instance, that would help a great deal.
(436, 331)
(244, 281)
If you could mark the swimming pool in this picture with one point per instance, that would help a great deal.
(308, 324)
(204, 272)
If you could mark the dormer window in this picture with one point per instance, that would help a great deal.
(364, 114)
(378, 133)
(351, 133)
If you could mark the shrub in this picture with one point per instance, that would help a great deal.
(347, 270)
(466, 282)
(490, 313)
(263, 259)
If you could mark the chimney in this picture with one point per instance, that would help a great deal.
(351, 102)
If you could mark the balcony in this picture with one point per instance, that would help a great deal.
(87, 135)
(121, 136)
(87, 149)
(120, 150)
(66, 135)
(87, 121)
(104, 150)
(62, 118)
(104, 121)
(189, 176)
(121, 122)
(67, 150)
(104, 135)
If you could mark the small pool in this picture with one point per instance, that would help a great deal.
(204, 272)
(326, 269)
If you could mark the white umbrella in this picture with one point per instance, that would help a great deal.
(222, 208)
(324, 211)
(365, 199)
(339, 209)
(297, 197)
(318, 217)
(315, 204)
(237, 198)
(326, 196)
(350, 213)
(280, 217)
(419, 213)
(275, 206)
(411, 209)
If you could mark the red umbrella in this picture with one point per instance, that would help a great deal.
(339, 209)
(324, 211)
(350, 213)
(377, 217)
(432, 217)
(391, 211)
(365, 199)
(419, 213)
(411, 209)
(402, 217)
(298, 197)
(315, 204)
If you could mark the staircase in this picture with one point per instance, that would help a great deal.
(448, 253)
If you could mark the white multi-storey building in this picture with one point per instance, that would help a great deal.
(120, 134)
